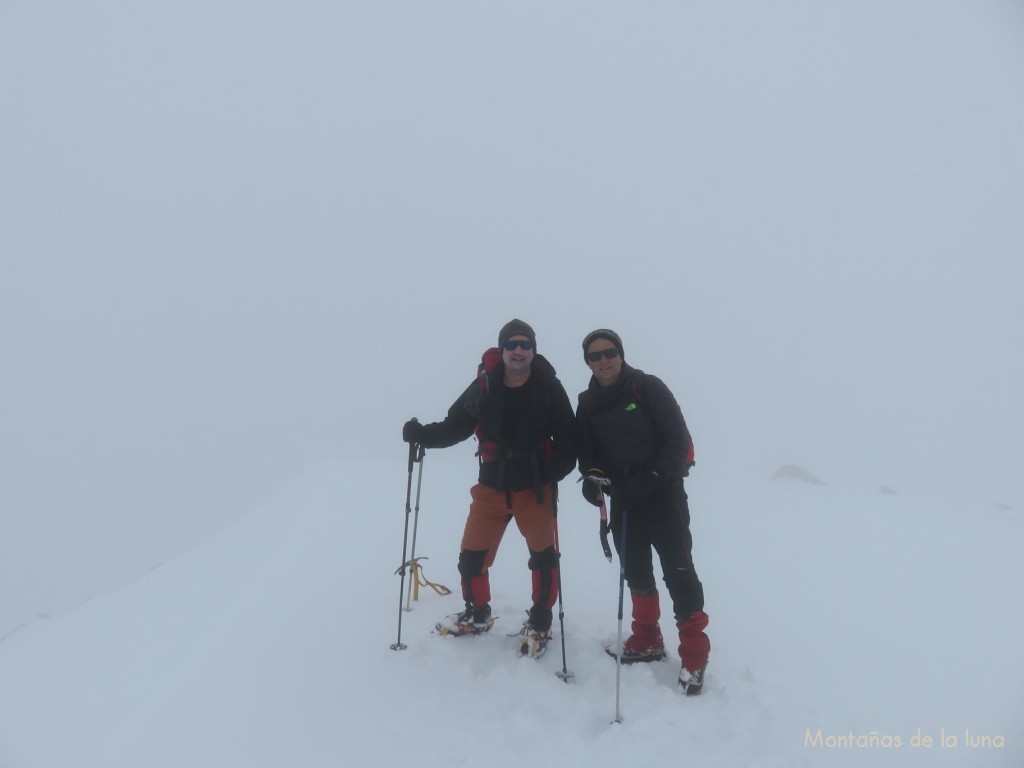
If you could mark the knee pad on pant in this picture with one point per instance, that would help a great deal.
(546, 558)
(476, 586)
(544, 573)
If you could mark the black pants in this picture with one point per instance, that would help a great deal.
(660, 522)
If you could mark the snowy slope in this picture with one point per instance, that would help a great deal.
(846, 610)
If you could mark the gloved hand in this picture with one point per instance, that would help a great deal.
(634, 488)
(412, 432)
(592, 492)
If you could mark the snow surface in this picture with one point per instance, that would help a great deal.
(862, 614)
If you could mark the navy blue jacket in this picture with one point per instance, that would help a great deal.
(633, 427)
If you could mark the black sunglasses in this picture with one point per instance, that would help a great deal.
(527, 345)
(611, 354)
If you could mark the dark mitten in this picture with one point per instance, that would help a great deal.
(412, 432)
(592, 492)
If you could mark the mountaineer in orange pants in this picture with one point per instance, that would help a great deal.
(524, 422)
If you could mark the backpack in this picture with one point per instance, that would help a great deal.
(690, 454)
(488, 450)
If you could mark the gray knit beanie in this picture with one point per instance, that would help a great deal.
(516, 328)
(603, 333)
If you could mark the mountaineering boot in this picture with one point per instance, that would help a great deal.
(474, 620)
(534, 642)
(646, 643)
(691, 682)
(535, 634)
(694, 649)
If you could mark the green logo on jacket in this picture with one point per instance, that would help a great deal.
(631, 407)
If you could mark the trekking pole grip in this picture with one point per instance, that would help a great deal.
(414, 448)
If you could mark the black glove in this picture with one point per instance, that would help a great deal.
(591, 490)
(412, 432)
(634, 488)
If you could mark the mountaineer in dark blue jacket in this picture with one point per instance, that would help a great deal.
(632, 433)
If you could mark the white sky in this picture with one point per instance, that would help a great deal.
(236, 240)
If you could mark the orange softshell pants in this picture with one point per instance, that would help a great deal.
(490, 512)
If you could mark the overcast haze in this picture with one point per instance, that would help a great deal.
(240, 239)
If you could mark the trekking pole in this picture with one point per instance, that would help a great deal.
(565, 675)
(622, 582)
(414, 565)
(415, 455)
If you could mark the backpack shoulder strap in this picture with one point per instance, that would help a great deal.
(638, 383)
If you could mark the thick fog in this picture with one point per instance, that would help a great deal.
(240, 239)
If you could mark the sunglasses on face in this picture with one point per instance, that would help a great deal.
(611, 354)
(526, 344)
